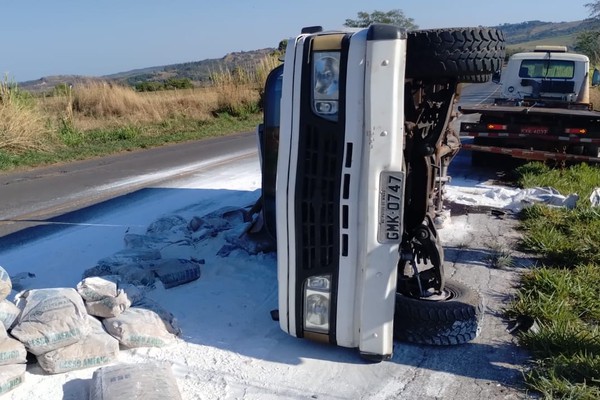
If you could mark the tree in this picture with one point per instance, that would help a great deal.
(588, 43)
(394, 17)
(594, 8)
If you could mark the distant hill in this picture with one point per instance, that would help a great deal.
(527, 35)
(521, 36)
(47, 83)
(197, 71)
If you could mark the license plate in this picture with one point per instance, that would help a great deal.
(391, 207)
(534, 130)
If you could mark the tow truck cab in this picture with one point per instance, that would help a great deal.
(549, 73)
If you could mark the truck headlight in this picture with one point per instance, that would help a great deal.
(317, 295)
(326, 83)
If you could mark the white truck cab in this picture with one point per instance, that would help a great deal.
(548, 73)
(340, 186)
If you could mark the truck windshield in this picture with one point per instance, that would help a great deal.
(561, 69)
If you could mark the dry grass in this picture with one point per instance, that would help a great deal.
(104, 105)
(22, 128)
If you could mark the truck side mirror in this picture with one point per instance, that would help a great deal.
(596, 77)
(496, 76)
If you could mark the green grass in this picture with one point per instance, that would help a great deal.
(78, 145)
(564, 295)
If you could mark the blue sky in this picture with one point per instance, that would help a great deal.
(85, 37)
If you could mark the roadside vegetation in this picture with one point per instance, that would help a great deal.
(100, 118)
(563, 294)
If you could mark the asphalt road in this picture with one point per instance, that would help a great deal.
(34, 197)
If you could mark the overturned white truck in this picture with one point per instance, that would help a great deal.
(355, 147)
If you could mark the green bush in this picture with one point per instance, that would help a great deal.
(149, 86)
(178, 83)
(169, 84)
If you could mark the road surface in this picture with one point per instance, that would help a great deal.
(33, 198)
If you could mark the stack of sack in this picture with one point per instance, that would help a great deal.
(55, 326)
(145, 324)
(13, 356)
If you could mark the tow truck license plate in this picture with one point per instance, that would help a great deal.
(534, 130)
(391, 207)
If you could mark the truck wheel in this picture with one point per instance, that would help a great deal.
(460, 53)
(452, 318)
(474, 78)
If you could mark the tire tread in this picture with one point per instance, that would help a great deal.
(451, 322)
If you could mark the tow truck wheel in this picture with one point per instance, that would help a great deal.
(453, 317)
(460, 53)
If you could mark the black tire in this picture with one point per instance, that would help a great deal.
(459, 53)
(455, 320)
(475, 78)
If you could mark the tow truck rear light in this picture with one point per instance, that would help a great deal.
(497, 127)
(576, 131)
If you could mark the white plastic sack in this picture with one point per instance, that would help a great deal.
(166, 316)
(150, 381)
(8, 313)
(50, 319)
(97, 288)
(12, 352)
(11, 376)
(5, 284)
(103, 296)
(109, 306)
(138, 327)
(96, 349)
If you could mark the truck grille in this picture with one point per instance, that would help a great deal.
(319, 199)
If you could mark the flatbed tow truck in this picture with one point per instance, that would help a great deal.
(544, 113)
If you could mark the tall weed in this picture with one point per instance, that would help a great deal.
(22, 127)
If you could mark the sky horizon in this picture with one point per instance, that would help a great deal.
(68, 37)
